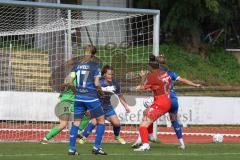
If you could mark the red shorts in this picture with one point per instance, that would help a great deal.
(161, 106)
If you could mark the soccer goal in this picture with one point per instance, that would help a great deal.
(39, 42)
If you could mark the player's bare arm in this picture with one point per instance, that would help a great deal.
(98, 86)
(124, 103)
(188, 82)
(143, 75)
(70, 82)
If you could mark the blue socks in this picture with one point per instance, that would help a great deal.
(99, 134)
(116, 131)
(88, 129)
(73, 137)
(177, 129)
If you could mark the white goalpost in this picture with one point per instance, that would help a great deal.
(39, 42)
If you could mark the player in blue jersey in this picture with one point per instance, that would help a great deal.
(87, 74)
(110, 87)
(174, 100)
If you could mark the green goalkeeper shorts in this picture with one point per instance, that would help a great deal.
(64, 109)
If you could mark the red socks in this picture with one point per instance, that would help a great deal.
(150, 129)
(144, 134)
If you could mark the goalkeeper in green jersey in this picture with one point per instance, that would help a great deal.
(63, 110)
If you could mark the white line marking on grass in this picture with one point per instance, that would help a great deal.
(199, 134)
(131, 132)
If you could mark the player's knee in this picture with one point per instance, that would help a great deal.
(76, 122)
(94, 121)
(62, 125)
(116, 124)
(114, 121)
(88, 114)
(100, 120)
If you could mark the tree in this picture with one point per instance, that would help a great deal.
(186, 20)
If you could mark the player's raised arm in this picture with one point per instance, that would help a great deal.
(162, 61)
(175, 77)
(188, 82)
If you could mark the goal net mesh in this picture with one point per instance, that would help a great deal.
(38, 47)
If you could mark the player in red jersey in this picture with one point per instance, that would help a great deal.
(160, 83)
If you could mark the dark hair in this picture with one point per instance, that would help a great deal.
(105, 68)
(152, 58)
(153, 62)
(161, 59)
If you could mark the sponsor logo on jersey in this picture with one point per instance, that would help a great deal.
(85, 67)
(83, 90)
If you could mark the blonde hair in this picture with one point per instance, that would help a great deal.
(90, 50)
(89, 53)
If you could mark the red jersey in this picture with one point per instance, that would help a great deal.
(159, 82)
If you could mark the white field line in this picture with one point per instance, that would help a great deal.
(132, 132)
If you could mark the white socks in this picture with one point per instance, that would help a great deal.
(139, 140)
(150, 137)
(181, 142)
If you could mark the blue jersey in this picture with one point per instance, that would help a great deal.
(85, 74)
(174, 77)
(105, 100)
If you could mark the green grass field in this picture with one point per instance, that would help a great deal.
(34, 151)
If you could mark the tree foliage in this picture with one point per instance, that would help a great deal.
(188, 20)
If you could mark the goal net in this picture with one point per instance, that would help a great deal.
(40, 43)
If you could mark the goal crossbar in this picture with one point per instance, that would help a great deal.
(79, 7)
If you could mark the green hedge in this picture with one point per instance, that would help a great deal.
(219, 68)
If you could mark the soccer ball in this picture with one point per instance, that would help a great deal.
(147, 102)
(217, 138)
